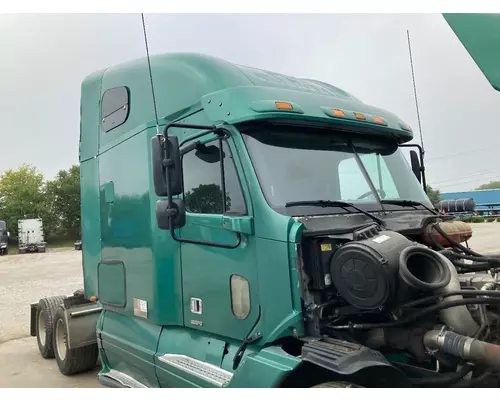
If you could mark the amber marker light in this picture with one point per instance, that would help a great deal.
(282, 105)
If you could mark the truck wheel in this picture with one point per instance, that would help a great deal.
(72, 361)
(41, 249)
(45, 314)
(337, 384)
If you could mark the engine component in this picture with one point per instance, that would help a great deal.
(365, 272)
(399, 339)
(465, 347)
(458, 318)
(457, 205)
(477, 280)
(318, 253)
(423, 269)
(458, 231)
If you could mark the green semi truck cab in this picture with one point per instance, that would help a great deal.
(264, 231)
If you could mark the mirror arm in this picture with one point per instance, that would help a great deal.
(204, 243)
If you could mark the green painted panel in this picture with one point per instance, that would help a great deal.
(130, 346)
(90, 115)
(237, 105)
(90, 225)
(480, 35)
(278, 315)
(112, 285)
(264, 369)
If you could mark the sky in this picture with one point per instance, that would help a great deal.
(45, 57)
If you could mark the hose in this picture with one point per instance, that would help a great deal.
(454, 242)
(444, 379)
(472, 293)
(419, 314)
(440, 274)
(478, 267)
(474, 381)
(464, 347)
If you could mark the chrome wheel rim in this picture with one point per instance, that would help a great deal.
(60, 340)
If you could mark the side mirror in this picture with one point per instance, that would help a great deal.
(164, 212)
(167, 168)
(415, 165)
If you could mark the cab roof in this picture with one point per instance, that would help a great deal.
(187, 82)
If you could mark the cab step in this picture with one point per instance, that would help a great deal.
(208, 372)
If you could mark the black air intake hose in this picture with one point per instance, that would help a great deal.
(423, 269)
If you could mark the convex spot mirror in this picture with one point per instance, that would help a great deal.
(167, 168)
(177, 212)
(209, 154)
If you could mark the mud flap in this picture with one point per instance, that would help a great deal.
(33, 308)
(346, 358)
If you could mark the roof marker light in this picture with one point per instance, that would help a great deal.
(338, 113)
(359, 115)
(405, 127)
(378, 120)
(282, 105)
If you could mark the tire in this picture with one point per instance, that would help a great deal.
(45, 314)
(41, 250)
(6, 252)
(337, 385)
(74, 361)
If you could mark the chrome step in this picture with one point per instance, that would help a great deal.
(208, 372)
(124, 380)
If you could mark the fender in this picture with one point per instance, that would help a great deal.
(346, 358)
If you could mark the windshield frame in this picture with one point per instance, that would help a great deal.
(349, 137)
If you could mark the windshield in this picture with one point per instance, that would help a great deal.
(295, 165)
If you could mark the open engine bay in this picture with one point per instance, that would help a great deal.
(417, 300)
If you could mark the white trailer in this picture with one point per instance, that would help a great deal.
(31, 237)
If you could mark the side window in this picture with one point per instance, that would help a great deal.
(114, 108)
(203, 192)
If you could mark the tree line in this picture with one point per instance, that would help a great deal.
(25, 193)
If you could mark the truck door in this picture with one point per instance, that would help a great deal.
(220, 292)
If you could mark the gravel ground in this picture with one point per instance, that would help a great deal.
(27, 278)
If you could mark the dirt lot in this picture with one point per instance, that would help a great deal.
(27, 278)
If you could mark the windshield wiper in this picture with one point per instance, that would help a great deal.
(331, 203)
(409, 203)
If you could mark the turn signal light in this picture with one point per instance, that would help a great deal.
(93, 299)
(281, 105)
(406, 127)
(359, 116)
